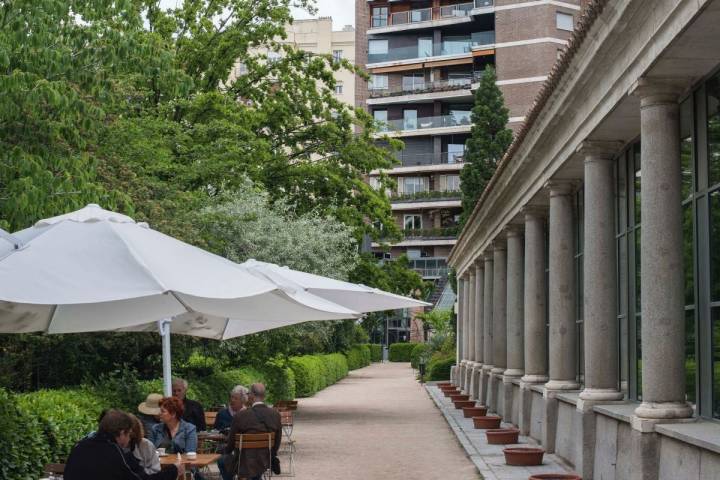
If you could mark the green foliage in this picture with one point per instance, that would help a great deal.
(358, 357)
(65, 416)
(489, 139)
(375, 352)
(23, 441)
(438, 320)
(395, 276)
(400, 352)
(439, 367)
(315, 372)
(279, 380)
(420, 352)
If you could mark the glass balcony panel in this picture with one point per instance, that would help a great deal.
(457, 118)
(483, 38)
(483, 3)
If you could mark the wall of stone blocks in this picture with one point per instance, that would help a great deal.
(566, 440)
(536, 414)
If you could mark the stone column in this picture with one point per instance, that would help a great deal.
(470, 328)
(514, 309)
(535, 335)
(460, 333)
(563, 330)
(499, 316)
(600, 274)
(662, 275)
(479, 292)
(487, 328)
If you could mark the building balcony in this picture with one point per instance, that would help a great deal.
(425, 162)
(419, 90)
(425, 195)
(422, 18)
(430, 267)
(458, 122)
(431, 233)
(416, 53)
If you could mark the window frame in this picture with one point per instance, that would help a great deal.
(561, 19)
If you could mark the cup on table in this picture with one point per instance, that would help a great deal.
(161, 452)
(191, 455)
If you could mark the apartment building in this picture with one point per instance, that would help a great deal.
(424, 59)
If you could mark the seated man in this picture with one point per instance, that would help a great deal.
(258, 419)
(238, 401)
(193, 411)
(102, 456)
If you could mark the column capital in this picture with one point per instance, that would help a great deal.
(562, 187)
(537, 211)
(513, 230)
(479, 262)
(658, 91)
(488, 255)
(499, 244)
(594, 150)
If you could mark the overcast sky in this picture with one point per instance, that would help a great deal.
(341, 11)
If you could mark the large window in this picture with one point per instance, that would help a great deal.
(378, 82)
(564, 21)
(379, 17)
(410, 119)
(378, 47)
(425, 47)
(455, 152)
(412, 185)
(413, 222)
(413, 81)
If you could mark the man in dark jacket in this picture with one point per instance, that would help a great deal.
(101, 456)
(258, 419)
(193, 411)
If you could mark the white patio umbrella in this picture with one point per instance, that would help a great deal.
(96, 270)
(353, 296)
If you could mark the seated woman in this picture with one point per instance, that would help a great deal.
(238, 402)
(173, 433)
(143, 449)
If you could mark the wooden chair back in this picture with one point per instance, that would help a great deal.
(54, 468)
(286, 417)
(210, 418)
(254, 441)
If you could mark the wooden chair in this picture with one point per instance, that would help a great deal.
(291, 405)
(54, 470)
(210, 419)
(287, 421)
(256, 441)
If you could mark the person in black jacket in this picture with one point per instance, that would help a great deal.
(102, 456)
(193, 411)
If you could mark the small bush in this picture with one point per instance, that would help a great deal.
(65, 417)
(400, 352)
(375, 352)
(280, 381)
(24, 447)
(358, 357)
(315, 372)
(439, 367)
(337, 367)
(419, 351)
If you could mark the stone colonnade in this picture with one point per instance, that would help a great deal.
(517, 329)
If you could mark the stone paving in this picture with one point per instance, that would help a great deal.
(489, 459)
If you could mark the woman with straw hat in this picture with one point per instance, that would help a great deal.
(149, 412)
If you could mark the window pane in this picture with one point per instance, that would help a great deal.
(377, 47)
(623, 324)
(713, 129)
(638, 182)
(690, 363)
(622, 276)
(638, 360)
(716, 361)
(714, 227)
(425, 47)
(410, 119)
(564, 21)
(637, 270)
(686, 147)
(688, 254)
(621, 194)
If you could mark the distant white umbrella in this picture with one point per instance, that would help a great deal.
(96, 270)
(353, 296)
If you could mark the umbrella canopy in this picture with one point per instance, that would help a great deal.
(96, 270)
(356, 297)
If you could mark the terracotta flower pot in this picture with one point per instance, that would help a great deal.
(459, 396)
(523, 456)
(555, 476)
(486, 422)
(452, 392)
(469, 412)
(502, 436)
(460, 404)
(449, 387)
(444, 384)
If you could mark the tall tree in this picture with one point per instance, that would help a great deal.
(489, 139)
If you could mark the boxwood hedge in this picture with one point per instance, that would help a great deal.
(400, 352)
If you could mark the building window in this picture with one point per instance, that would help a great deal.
(379, 17)
(579, 284)
(338, 89)
(564, 21)
(378, 47)
(337, 55)
(413, 222)
(455, 152)
(410, 120)
(413, 185)
(449, 183)
(425, 47)
(413, 81)
(378, 82)
(381, 118)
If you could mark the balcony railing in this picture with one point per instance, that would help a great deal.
(425, 195)
(432, 232)
(428, 14)
(444, 48)
(456, 83)
(430, 267)
(443, 158)
(422, 123)
(483, 3)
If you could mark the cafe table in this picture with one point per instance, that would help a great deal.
(201, 460)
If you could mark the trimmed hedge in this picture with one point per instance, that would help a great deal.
(400, 352)
(23, 441)
(439, 367)
(315, 372)
(375, 352)
(358, 357)
(419, 350)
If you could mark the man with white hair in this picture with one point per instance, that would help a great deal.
(193, 411)
(238, 402)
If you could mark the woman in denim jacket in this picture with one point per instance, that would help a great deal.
(173, 433)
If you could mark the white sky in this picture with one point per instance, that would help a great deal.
(341, 11)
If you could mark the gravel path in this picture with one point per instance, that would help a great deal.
(376, 424)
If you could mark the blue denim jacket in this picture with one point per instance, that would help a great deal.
(185, 440)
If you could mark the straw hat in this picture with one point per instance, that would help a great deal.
(151, 405)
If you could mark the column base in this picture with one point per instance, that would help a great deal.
(663, 410)
(498, 370)
(562, 385)
(453, 375)
(534, 378)
(475, 381)
(601, 395)
(468, 378)
(514, 372)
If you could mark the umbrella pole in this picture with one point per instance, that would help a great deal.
(164, 328)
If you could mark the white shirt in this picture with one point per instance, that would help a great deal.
(147, 455)
(258, 403)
